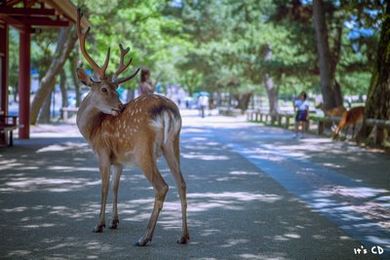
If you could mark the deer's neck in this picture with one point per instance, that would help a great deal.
(88, 118)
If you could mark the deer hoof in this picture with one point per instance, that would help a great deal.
(142, 242)
(114, 224)
(183, 240)
(99, 228)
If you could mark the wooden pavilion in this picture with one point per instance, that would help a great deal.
(27, 16)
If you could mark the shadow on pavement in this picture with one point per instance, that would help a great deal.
(50, 194)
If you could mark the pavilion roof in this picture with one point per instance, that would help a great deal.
(34, 14)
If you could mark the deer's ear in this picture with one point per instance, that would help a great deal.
(83, 77)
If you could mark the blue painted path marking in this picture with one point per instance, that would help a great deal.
(362, 212)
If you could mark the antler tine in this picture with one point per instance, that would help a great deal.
(105, 65)
(122, 80)
(82, 37)
(122, 66)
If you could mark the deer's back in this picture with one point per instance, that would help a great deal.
(355, 114)
(147, 119)
(337, 111)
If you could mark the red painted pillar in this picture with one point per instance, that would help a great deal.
(24, 84)
(4, 68)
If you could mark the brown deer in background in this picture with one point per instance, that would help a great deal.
(336, 111)
(138, 132)
(351, 117)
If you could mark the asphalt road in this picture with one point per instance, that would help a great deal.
(253, 193)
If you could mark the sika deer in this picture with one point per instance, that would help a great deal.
(351, 117)
(336, 111)
(137, 133)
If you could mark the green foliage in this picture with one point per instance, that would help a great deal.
(154, 38)
(43, 47)
(14, 58)
(230, 41)
(222, 45)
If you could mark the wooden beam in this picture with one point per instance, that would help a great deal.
(44, 21)
(40, 21)
(12, 21)
(4, 36)
(12, 2)
(68, 10)
(26, 11)
(24, 84)
(31, 3)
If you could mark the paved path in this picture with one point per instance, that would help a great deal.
(253, 192)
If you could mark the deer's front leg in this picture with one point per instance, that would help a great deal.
(115, 187)
(104, 167)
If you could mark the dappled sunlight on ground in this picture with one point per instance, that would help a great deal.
(24, 184)
(315, 165)
(200, 156)
(355, 192)
(62, 147)
(50, 200)
(369, 202)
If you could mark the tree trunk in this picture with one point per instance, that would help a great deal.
(272, 94)
(76, 82)
(64, 91)
(331, 91)
(219, 99)
(44, 114)
(378, 98)
(229, 105)
(66, 41)
(16, 91)
(243, 100)
(272, 90)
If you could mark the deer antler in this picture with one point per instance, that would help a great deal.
(101, 71)
(123, 66)
(122, 80)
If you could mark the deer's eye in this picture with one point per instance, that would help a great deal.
(104, 90)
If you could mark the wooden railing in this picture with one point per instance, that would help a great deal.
(335, 119)
(285, 120)
(7, 125)
(225, 111)
(281, 119)
(67, 111)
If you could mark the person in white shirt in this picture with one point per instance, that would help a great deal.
(301, 106)
(203, 103)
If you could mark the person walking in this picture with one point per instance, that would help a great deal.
(301, 105)
(203, 103)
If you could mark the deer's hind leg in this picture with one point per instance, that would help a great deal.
(151, 172)
(171, 152)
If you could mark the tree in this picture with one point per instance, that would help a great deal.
(191, 81)
(154, 38)
(66, 40)
(220, 52)
(328, 59)
(378, 99)
(13, 76)
(272, 90)
(63, 88)
(273, 49)
(349, 46)
(72, 67)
